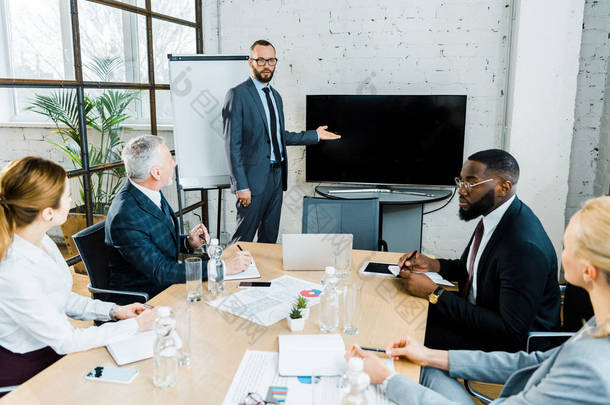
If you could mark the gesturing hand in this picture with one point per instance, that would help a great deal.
(326, 135)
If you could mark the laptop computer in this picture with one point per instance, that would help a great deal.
(314, 251)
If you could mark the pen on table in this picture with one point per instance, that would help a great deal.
(239, 247)
(411, 256)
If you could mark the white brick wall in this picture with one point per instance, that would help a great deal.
(388, 47)
(382, 47)
(589, 162)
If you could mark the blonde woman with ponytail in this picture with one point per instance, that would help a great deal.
(36, 295)
(577, 372)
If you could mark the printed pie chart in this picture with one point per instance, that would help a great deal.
(313, 293)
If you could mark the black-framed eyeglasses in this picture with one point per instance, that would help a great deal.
(262, 61)
(469, 186)
(254, 398)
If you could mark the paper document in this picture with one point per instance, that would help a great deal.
(258, 371)
(250, 272)
(306, 354)
(266, 306)
(437, 278)
(135, 348)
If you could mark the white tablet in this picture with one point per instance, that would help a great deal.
(377, 269)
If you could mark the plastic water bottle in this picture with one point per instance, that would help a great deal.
(356, 382)
(329, 302)
(166, 352)
(216, 268)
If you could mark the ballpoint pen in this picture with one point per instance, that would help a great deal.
(411, 256)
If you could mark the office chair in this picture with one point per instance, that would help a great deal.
(577, 309)
(92, 249)
(358, 217)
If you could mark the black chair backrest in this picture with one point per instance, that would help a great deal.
(577, 308)
(360, 217)
(92, 249)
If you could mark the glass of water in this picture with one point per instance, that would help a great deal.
(184, 316)
(193, 279)
(343, 263)
(352, 308)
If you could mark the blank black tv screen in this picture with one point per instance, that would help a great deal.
(392, 139)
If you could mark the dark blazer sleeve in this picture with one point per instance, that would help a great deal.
(233, 120)
(294, 138)
(133, 241)
(453, 270)
(519, 284)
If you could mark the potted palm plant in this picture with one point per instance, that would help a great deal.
(104, 116)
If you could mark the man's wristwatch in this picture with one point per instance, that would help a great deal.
(433, 297)
(111, 314)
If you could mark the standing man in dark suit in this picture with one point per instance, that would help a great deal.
(507, 275)
(256, 139)
(142, 235)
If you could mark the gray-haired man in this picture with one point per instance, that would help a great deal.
(142, 236)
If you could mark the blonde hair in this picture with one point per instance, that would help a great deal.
(593, 241)
(27, 186)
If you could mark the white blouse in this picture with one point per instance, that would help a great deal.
(36, 297)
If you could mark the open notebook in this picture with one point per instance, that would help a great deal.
(250, 272)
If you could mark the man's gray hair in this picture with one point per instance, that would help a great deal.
(141, 154)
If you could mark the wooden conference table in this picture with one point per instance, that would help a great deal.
(219, 340)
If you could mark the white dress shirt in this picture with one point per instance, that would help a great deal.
(154, 195)
(36, 298)
(490, 222)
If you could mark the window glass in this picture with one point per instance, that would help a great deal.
(36, 40)
(184, 9)
(113, 44)
(170, 38)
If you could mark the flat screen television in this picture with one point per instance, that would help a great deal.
(387, 139)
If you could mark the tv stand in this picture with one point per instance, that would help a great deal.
(401, 207)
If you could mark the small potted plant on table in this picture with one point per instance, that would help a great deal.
(296, 323)
(302, 305)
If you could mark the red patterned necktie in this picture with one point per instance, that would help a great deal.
(476, 241)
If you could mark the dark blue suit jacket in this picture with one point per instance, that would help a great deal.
(517, 288)
(143, 244)
(247, 138)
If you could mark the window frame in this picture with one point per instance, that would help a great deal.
(79, 85)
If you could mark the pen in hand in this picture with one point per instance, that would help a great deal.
(411, 256)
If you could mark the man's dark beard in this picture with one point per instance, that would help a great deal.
(260, 77)
(484, 205)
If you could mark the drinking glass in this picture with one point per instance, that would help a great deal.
(183, 317)
(193, 279)
(352, 308)
(343, 263)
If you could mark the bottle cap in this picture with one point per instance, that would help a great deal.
(329, 271)
(214, 242)
(164, 312)
(355, 364)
